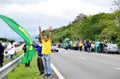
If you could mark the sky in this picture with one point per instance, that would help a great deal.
(56, 13)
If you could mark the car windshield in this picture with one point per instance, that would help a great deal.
(113, 45)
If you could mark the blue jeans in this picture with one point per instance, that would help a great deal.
(10, 56)
(46, 62)
(88, 49)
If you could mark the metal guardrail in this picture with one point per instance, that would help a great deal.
(9, 67)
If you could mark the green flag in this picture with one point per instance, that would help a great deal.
(66, 39)
(30, 52)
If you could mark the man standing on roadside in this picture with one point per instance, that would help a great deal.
(80, 45)
(46, 51)
(38, 47)
(1, 54)
(11, 50)
(25, 49)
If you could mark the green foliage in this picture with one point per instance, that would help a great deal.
(5, 39)
(101, 26)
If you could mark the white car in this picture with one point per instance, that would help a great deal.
(54, 47)
(111, 48)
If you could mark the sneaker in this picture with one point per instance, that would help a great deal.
(47, 75)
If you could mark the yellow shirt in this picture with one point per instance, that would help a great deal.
(80, 44)
(74, 44)
(46, 47)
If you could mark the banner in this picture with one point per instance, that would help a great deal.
(30, 52)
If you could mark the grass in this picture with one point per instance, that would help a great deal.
(6, 60)
(22, 72)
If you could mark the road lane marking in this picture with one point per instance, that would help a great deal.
(57, 72)
(82, 58)
(117, 68)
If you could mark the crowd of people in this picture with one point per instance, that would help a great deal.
(88, 46)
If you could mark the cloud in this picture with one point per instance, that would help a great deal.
(103, 3)
(56, 8)
(20, 1)
(59, 9)
(56, 13)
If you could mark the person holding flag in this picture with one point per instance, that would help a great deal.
(30, 51)
(27, 64)
(46, 51)
(38, 48)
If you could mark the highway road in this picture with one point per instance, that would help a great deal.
(19, 48)
(82, 65)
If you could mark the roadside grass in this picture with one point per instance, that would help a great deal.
(17, 54)
(22, 72)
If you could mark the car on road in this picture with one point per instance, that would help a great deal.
(54, 47)
(111, 48)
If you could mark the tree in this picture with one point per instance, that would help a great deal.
(117, 4)
(3, 39)
(117, 11)
(100, 26)
(79, 17)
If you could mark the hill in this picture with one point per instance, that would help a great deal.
(102, 26)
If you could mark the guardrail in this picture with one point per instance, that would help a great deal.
(9, 67)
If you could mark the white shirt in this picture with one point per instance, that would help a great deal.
(11, 48)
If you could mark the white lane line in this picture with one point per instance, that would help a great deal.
(57, 72)
(82, 58)
(117, 68)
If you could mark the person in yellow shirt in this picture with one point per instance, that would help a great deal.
(74, 45)
(80, 45)
(46, 51)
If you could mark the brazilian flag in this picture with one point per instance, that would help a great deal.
(30, 52)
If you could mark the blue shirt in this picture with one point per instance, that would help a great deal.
(39, 49)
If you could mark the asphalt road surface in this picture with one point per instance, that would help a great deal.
(19, 48)
(82, 65)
